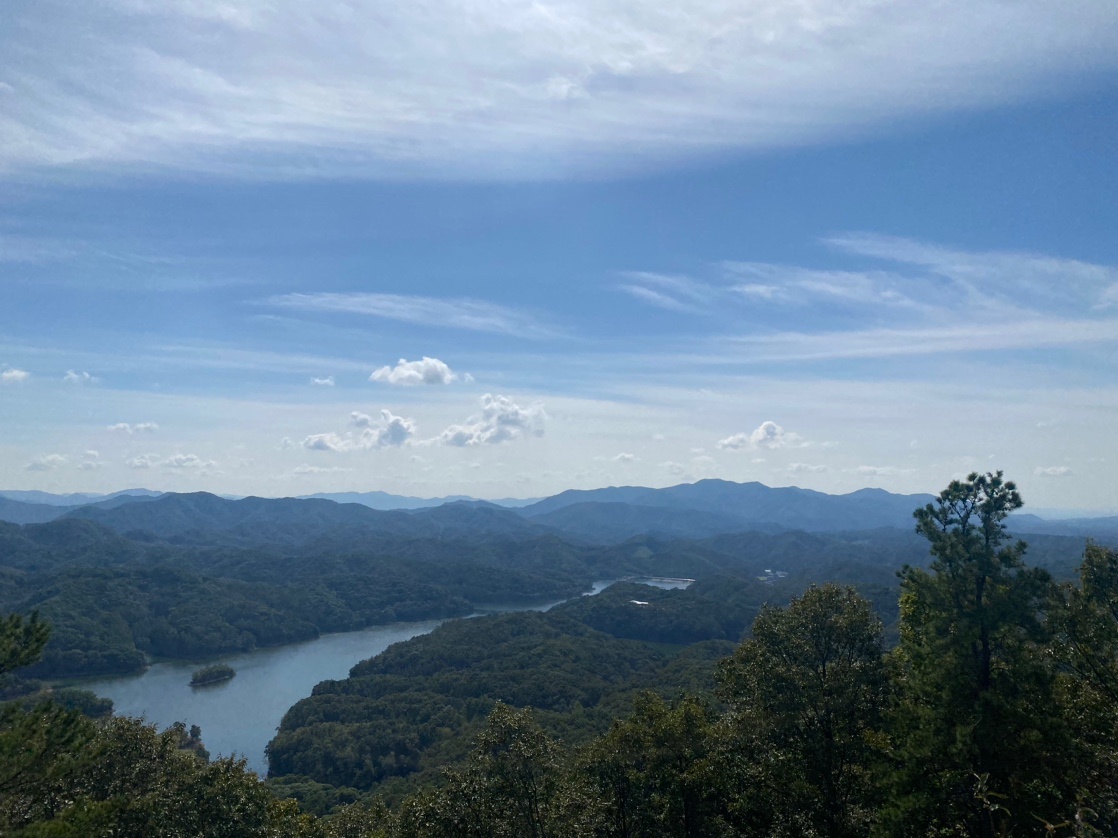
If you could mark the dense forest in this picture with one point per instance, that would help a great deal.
(636, 713)
(197, 576)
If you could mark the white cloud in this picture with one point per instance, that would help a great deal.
(458, 313)
(89, 465)
(307, 469)
(877, 471)
(528, 89)
(143, 461)
(410, 373)
(73, 377)
(394, 430)
(187, 461)
(389, 431)
(623, 458)
(673, 468)
(805, 468)
(767, 435)
(1052, 471)
(137, 428)
(14, 376)
(327, 442)
(47, 462)
(500, 420)
(328, 381)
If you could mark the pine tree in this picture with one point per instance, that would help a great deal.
(980, 746)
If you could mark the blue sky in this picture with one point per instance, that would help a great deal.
(512, 248)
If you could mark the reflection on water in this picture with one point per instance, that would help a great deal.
(241, 715)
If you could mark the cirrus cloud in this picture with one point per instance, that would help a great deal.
(529, 89)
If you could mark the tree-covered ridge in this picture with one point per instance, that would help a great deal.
(993, 716)
(414, 707)
(115, 601)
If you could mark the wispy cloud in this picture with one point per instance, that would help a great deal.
(134, 428)
(187, 461)
(529, 89)
(1005, 282)
(675, 293)
(458, 313)
(1052, 471)
(900, 342)
(47, 462)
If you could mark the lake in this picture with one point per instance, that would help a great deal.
(241, 715)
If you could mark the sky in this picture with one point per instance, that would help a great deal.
(506, 248)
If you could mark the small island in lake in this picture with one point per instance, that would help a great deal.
(212, 674)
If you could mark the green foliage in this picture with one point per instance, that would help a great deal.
(1085, 620)
(642, 612)
(128, 779)
(21, 640)
(416, 706)
(211, 674)
(62, 774)
(806, 695)
(513, 785)
(978, 700)
(650, 772)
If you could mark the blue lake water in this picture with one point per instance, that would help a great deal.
(240, 716)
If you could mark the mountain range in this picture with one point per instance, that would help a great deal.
(598, 516)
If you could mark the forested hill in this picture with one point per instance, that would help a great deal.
(203, 518)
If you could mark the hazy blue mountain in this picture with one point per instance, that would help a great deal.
(386, 501)
(607, 522)
(1099, 528)
(73, 498)
(752, 505)
(22, 512)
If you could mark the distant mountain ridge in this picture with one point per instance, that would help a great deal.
(610, 515)
(201, 517)
(752, 505)
(387, 501)
(72, 498)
